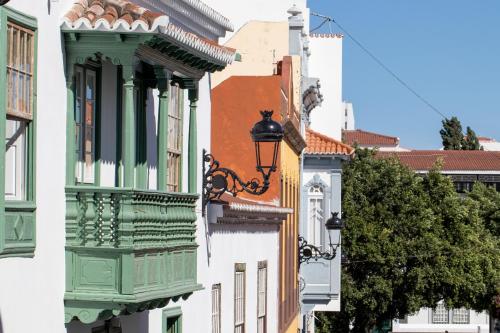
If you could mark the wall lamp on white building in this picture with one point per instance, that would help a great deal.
(310, 252)
(267, 135)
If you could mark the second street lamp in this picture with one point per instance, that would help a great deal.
(266, 135)
(308, 251)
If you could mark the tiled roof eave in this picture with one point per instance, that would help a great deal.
(328, 154)
(217, 54)
(127, 17)
(206, 10)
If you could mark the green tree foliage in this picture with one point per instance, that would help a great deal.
(488, 200)
(410, 242)
(471, 141)
(453, 137)
(451, 134)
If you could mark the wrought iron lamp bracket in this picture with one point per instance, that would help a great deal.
(218, 180)
(309, 252)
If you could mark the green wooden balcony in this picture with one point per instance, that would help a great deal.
(127, 250)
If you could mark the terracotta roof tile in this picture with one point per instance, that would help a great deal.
(126, 16)
(318, 143)
(113, 12)
(366, 138)
(453, 160)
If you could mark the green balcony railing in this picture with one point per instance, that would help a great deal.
(127, 250)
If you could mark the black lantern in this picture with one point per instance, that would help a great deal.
(267, 135)
(308, 251)
(334, 222)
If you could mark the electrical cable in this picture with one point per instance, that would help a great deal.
(384, 67)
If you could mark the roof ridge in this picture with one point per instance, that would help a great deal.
(373, 133)
(344, 148)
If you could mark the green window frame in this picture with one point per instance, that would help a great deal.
(172, 320)
(90, 71)
(17, 215)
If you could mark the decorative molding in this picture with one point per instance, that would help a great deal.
(326, 36)
(127, 250)
(317, 181)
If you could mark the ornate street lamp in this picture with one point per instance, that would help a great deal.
(309, 251)
(267, 135)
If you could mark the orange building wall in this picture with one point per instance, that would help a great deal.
(236, 103)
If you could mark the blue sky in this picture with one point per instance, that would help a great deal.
(448, 51)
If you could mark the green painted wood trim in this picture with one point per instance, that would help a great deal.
(128, 128)
(17, 218)
(119, 126)
(98, 125)
(181, 169)
(3, 110)
(172, 313)
(70, 126)
(192, 142)
(162, 144)
(20, 18)
(141, 167)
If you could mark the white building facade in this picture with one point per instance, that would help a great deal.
(80, 237)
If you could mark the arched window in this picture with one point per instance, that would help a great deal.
(316, 215)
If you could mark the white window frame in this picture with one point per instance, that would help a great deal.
(440, 315)
(262, 297)
(239, 298)
(316, 215)
(216, 308)
(460, 316)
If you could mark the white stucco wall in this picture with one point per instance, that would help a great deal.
(325, 63)
(32, 289)
(348, 117)
(490, 145)
(422, 322)
(229, 245)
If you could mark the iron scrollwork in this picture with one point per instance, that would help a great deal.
(309, 251)
(218, 180)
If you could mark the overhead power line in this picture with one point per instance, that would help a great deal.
(379, 62)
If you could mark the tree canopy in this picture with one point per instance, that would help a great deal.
(410, 241)
(451, 134)
(453, 138)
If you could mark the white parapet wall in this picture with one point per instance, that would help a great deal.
(325, 63)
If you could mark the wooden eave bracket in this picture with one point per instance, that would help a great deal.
(293, 137)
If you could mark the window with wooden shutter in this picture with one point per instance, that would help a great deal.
(20, 70)
(262, 297)
(239, 298)
(174, 160)
(216, 314)
(20, 77)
